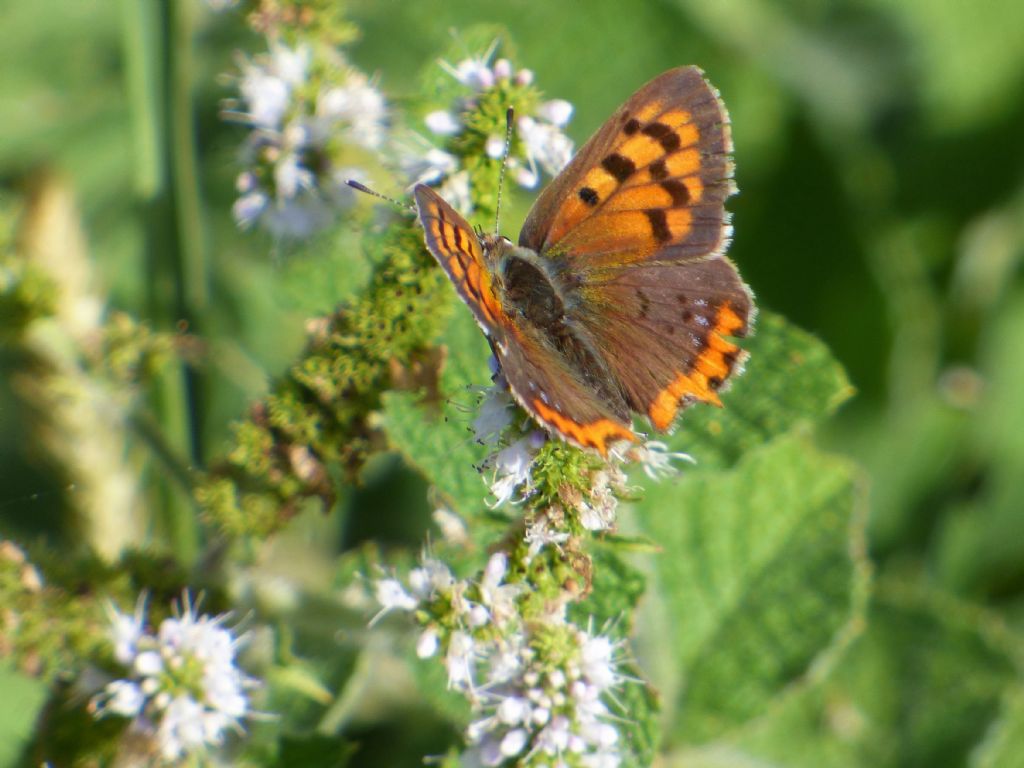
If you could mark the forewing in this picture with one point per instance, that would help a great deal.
(654, 178)
(553, 394)
(456, 246)
(663, 330)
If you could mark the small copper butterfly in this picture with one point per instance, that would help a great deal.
(618, 298)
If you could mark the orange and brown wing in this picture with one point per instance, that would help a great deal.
(663, 330)
(652, 180)
(457, 248)
(552, 392)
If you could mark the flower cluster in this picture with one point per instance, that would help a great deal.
(182, 688)
(516, 445)
(537, 688)
(306, 109)
(542, 145)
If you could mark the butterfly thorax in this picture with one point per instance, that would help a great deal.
(530, 287)
(525, 284)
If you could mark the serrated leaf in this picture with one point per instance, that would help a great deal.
(640, 730)
(791, 377)
(438, 441)
(760, 570)
(443, 452)
(616, 589)
(921, 687)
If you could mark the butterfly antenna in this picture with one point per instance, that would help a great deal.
(366, 190)
(509, 122)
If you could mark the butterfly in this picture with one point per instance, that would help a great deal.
(618, 298)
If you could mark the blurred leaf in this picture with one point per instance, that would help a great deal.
(20, 704)
(791, 377)
(1003, 746)
(316, 752)
(616, 589)
(969, 58)
(761, 569)
(981, 547)
(921, 688)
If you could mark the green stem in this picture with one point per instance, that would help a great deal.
(148, 44)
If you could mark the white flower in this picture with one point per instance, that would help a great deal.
(456, 191)
(495, 147)
(428, 167)
(428, 643)
(291, 64)
(513, 710)
(291, 177)
(557, 112)
(512, 468)
(494, 416)
(502, 69)
(656, 459)
(124, 698)
(460, 660)
(183, 683)
(545, 144)
(527, 178)
(125, 630)
(300, 114)
(540, 533)
(499, 598)
(473, 72)
(392, 596)
(182, 728)
(431, 578)
(524, 77)
(453, 527)
(248, 208)
(443, 123)
(358, 107)
(597, 661)
(266, 96)
(514, 742)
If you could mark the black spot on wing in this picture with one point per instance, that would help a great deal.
(659, 225)
(588, 196)
(632, 126)
(659, 170)
(678, 190)
(619, 166)
(664, 135)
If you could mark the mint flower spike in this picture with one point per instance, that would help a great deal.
(307, 109)
(539, 689)
(182, 687)
(441, 158)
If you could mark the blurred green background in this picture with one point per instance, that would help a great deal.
(880, 161)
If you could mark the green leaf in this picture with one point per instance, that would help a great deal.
(761, 568)
(1003, 746)
(791, 377)
(20, 703)
(921, 687)
(617, 588)
(640, 729)
(438, 440)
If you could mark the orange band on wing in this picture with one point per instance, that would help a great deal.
(706, 374)
(596, 434)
